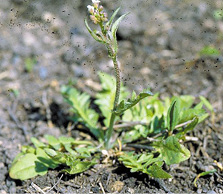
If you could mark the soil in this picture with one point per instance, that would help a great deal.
(159, 44)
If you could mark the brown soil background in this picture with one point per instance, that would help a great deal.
(159, 44)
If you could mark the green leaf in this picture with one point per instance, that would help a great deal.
(78, 166)
(114, 30)
(130, 136)
(189, 114)
(199, 106)
(108, 24)
(93, 34)
(67, 143)
(125, 105)
(186, 101)
(157, 172)
(27, 166)
(207, 103)
(173, 115)
(53, 142)
(58, 157)
(209, 51)
(203, 117)
(80, 103)
(70, 140)
(37, 143)
(28, 149)
(171, 151)
(45, 159)
(188, 128)
(86, 151)
(203, 174)
(145, 163)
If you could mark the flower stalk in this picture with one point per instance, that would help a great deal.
(107, 36)
(109, 131)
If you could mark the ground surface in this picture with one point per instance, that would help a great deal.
(156, 41)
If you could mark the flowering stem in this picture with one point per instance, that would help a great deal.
(117, 94)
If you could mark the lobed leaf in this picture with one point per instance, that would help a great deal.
(145, 163)
(171, 151)
(80, 103)
(79, 166)
(125, 105)
(157, 172)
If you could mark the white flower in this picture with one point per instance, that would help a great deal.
(90, 9)
(95, 1)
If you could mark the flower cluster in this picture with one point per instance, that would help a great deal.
(98, 15)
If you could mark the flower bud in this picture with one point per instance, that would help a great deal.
(100, 8)
(105, 15)
(90, 9)
(94, 19)
(96, 1)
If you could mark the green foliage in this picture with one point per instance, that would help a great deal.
(171, 151)
(173, 115)
(203, 174)
(151, 123)
(209, 51)
(127, 104)
(105, 98)
(36, 161)
(145, 163)
(114, 29)
(80, 106)
(159, 115)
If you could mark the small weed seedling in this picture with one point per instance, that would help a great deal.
(154, 128)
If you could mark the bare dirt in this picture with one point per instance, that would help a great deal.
(159, 45)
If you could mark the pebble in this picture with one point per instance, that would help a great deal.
(3, 192)
(29, 39)
(43, 72)
(117, 186)
(78, 71)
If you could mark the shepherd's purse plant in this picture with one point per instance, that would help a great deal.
(153, 129)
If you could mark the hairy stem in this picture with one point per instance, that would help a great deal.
(118, 82)
(117, 94)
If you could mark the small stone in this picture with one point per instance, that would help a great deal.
(117, 186)
(29, 39)
(131, 191)
(3, 192)
(43, 73)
